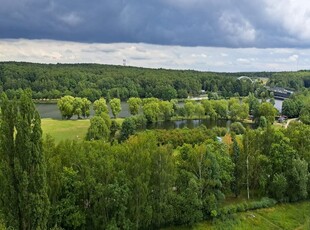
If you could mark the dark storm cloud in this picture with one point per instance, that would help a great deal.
(227, 23)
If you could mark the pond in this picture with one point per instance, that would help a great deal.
(51, 111)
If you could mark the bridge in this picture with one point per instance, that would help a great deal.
(245, 77)
(280, 93)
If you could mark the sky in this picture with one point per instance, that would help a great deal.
(207, 35)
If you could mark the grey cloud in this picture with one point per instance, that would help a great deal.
(156, 56)
(225, 23)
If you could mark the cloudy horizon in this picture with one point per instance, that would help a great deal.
(206, 35)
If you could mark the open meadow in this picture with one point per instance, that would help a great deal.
(65, 129)
(282, 216)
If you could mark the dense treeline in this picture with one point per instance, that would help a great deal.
(153, 110)
(149, 180)
(174, 177)
(93, 81)
(160, 178)
(298, 106)
(290, 80)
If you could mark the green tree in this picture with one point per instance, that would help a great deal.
(290, 108)
(189, 108)
(77, 107)
(151, 111)
(305, 113)
(298, 180)
(116, 108)
(24, 190)
(209, 110)
(237, 128)
(134, 104)
(236, 184)
(66, 106)
(182, 93)
(199, 110)
(262, 122)
(129, 127)
(221, 108)
(99, 129)
(85, 107)
(166, 109)
(268, 111)
(69, 214)
(100, 106)
(253, 105)
(238, 110)
(278, 187)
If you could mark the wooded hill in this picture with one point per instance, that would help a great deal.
(95, 80)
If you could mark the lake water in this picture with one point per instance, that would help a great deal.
(52, 111)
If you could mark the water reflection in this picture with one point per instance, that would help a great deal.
(193, 124)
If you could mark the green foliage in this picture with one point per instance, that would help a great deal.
(189, 107)
(238, 110)
(221, 108)
(151, 111)
(66, 107)
(305, 113)
(100, 106)
(236, 184)
(134, 104)
(262, 122)
(129, 127)
(69, 215)
(199, 110)
(166, 109)
(99, 128)
(116, 108)
(291, 108)
(23, 192)
(278, 186)
(209, 110)
(70, 106)
(268, 111)
(237, 128)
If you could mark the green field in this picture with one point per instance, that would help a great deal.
(283, 216)
(62, 130)
(65, 129)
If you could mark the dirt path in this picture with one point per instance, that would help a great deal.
(289, 121)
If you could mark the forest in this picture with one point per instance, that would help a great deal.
(147, 180)
(48, 81)
(123, 177)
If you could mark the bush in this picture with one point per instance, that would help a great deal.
(265, 202)
(237, 128)
(220, 131)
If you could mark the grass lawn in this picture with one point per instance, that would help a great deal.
(283, 216)
(62, 130)
(65, 129)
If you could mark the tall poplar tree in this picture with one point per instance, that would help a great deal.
(24, 199)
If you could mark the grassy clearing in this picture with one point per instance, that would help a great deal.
(65, 129)
(62, 130)
(283, 216)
